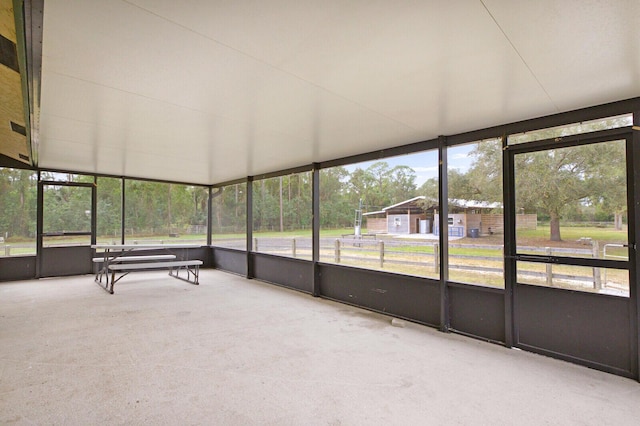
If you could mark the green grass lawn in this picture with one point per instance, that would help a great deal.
(572, 234)
(540, 235)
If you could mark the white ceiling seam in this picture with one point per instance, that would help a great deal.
(519, 54)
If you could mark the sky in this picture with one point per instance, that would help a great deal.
(425, 164)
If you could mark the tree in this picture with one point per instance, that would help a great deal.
(109, 214)
(554, 179)
(551, 182)
(402, 183)
(17, 203)
(282, 202)
(610, 188)
(602, 166)
(485, 174)
(156, 207)
(336, 208)
(461, 186)
(429, 189)
(229, 209)
(200, 195)
(380, 186)
(372, 185)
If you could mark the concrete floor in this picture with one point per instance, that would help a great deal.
(238, 352)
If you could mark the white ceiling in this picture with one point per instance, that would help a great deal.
(207, 91)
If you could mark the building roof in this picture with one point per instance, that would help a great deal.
(466, 204)
(402, 203)
(474, 204)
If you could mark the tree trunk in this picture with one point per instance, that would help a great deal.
(236, 205)
(219, 218)
(618, 221)
(195, 208)
(555, 226)
(281, 219)
(170, 219)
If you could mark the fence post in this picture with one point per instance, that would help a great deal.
(547, 251)
(255, 244)
(597, 278)
(7, 250)
(293, 247)
(337, 251)
(436, 256)
(381, 254)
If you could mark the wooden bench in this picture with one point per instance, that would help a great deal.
(134, 258)
(117, 259)
(192, 267)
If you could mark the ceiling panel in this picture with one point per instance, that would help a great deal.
(211, 91)
(583, 52)
(269, 31)
(426, 57)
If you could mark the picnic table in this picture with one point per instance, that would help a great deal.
(119, 259)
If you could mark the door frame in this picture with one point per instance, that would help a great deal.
(511, 257)
(41, 267)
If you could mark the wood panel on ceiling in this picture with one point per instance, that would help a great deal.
(13, 139)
